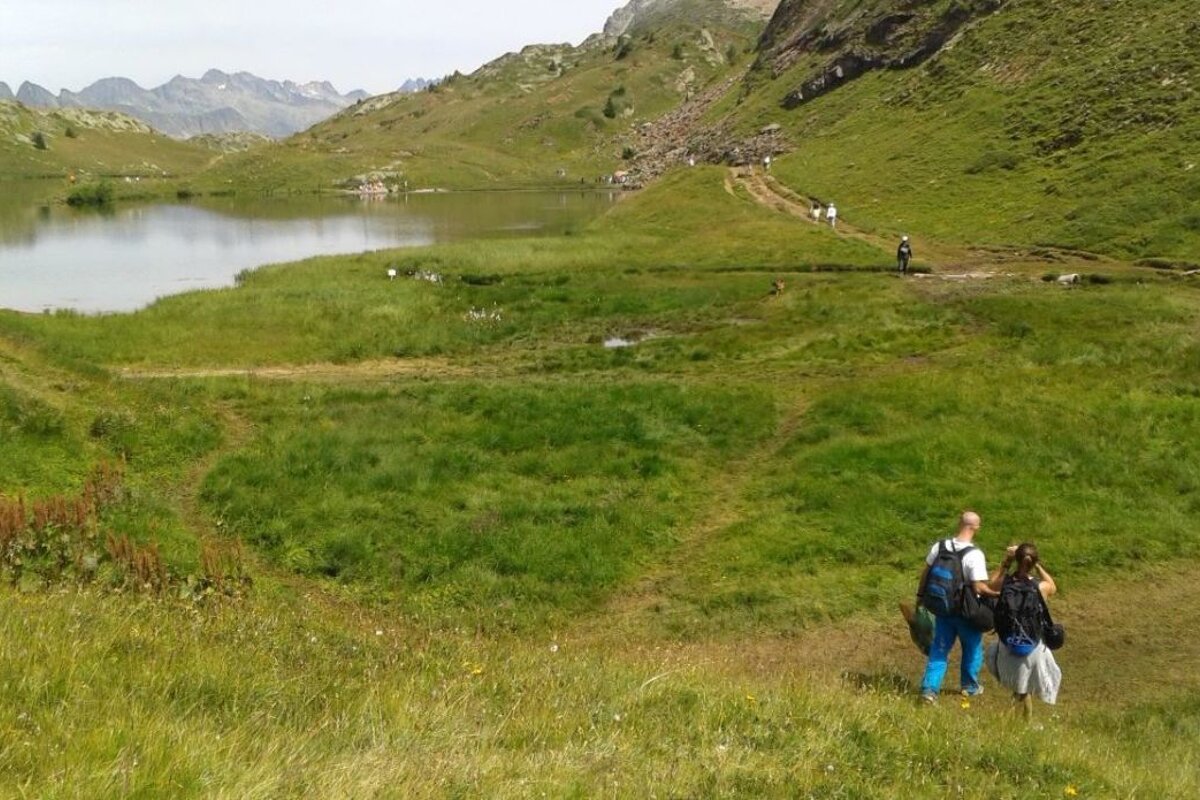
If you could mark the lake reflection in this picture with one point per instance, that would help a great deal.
(52, 257)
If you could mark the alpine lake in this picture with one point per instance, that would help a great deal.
(123, 258)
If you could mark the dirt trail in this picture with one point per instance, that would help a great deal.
(950, 261)
(771, 193)
(319, 372)
(726, 505)
(236, 433)
(1112, 659)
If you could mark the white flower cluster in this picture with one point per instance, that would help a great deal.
(483, 315)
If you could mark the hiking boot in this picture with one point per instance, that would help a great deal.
(975, 692)
(928, 698)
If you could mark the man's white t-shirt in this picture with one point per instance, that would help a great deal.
(974, 563)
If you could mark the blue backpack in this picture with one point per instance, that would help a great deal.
(942, 593)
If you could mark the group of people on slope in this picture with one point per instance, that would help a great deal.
(904, 253)
(955, 586)
(830, 213)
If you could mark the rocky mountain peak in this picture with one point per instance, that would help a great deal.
(624, 18)
(33, 95)
(219, 102)
(637, 13)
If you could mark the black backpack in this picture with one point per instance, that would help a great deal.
(1021, 613)
(942, 593)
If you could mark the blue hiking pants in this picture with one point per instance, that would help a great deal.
(946, 630)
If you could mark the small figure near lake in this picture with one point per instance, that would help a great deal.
(372, 189)
(954, 569)
(904, 255)
(1022, 661)
(831, 214)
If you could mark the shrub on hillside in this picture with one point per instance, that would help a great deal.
(95, 195)
(592, 115)
(39, 140)
(618, 103)
(992, 160)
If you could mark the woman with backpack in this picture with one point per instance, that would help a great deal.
(1021, 661)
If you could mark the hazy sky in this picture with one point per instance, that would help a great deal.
(356, 44)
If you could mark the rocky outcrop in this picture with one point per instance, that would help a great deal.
(624, 18)
(856, 38)
(6, 93)
(640, 15)
(682, 135)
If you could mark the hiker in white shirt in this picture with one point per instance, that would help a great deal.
(831, 214)
(950, 625)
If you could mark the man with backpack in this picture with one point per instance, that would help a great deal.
(953, 568)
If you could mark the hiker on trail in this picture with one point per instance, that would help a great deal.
(691, 161)
(831, 215)
(1022, 660)
(954, 568)
(904, 256)
(816, 213)
(767, 163)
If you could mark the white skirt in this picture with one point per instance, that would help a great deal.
(1037, 673)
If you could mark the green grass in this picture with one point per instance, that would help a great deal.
(103, 144)
(511, 562)
(509, 501)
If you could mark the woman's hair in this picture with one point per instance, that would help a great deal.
(1026, 557)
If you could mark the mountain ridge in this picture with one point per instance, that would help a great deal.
(216, 103)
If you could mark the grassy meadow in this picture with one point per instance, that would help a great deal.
(38, 143)
(493, 558)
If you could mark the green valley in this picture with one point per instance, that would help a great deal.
(627, 510)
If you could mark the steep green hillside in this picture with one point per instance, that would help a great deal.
(1072, 123)
(549, 114)
(36, 143)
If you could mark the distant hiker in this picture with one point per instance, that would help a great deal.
(1022, 661)
(816, 213)
(767, 163)
(831, 215)
(777, 287)
(691, 161)
(904, 256)
(953, 568)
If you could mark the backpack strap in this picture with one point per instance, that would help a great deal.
(1046, 618)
